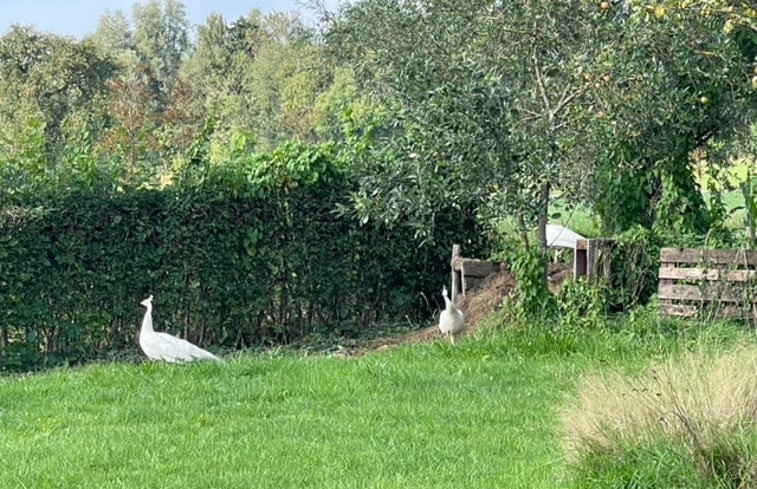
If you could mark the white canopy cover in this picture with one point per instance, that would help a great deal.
(561, 237)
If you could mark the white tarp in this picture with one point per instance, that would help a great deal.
(561, 237)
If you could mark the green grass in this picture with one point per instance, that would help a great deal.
(482, 414)
(734, 174)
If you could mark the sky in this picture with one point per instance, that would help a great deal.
(78, 18)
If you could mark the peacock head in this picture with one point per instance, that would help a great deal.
(147, 302)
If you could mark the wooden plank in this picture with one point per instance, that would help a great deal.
(711, 274)
(463, 284)
(475, 268)
(591, 259)
(471, 282)
(678, 310)
(733, 312)
(606, 260)
(696, 293)
(744, 258)
(457, 286)
(689, 311)
(579, 263)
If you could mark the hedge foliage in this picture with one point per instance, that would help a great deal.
(242, 254)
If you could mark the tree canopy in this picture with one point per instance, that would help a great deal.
(498, 108)
(504, 103)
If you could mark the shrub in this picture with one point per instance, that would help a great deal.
(581, 304)
(534, 299)
(694, 416)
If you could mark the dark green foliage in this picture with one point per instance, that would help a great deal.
(581, 304)
(534, 298)
(53, 80)
(635, 262)
(245, 253)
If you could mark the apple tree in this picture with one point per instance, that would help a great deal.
(481, 103)
(677, 82)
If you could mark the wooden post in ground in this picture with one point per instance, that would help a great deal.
(591, 259)
(579, 259)
(456, 285)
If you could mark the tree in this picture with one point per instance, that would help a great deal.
(500, 103)
(141, 125)
(132, 135)
(212, 82)
(288, 75)
(483, 96)
(678, 82)
(114, 37)
(260, 77)
(161, 39)
(52, 81)
(734, 13)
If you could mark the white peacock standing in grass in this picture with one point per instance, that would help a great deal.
(163, 346)
(452, 319)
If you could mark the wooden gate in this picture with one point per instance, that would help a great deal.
(708, 283)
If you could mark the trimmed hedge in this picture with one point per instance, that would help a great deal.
(243, 254)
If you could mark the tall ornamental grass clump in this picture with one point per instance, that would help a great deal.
(689, 422)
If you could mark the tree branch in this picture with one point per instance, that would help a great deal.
(540, 83)
(565, 101)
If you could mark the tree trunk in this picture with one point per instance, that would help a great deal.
(541, 226)
(523, 230)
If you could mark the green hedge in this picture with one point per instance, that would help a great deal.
(242, 254)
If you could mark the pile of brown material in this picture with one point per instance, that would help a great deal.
(479, 304)
(557, 274)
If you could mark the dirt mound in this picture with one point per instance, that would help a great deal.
(483, 300)
(479, 304)
(557, 274)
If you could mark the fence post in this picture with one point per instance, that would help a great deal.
(455, 286)
(580, 259)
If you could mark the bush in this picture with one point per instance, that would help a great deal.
(534, 299)
(581, 304)
(688, 423)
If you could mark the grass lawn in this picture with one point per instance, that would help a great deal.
(481, 414)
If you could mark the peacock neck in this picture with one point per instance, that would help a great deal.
(147, 321)
(451, 307)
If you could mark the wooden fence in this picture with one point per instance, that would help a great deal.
(708, 283)
(591, 260)
(468, 272)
